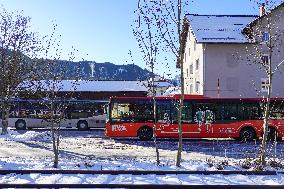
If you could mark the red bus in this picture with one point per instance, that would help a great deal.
(201, 117)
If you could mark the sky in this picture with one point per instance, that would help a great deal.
(101, 30)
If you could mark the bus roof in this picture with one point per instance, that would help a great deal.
(189, 97)
(57, 100)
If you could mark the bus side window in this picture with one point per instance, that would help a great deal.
(254, 112)
(187, 113)
(163, 112)
(227, 111)
(277, 110)
(144, 112)
(249, 111)
(101, 110)
(68, 112)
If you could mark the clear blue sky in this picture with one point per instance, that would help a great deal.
(101, 29)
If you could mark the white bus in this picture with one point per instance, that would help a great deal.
(80, 114)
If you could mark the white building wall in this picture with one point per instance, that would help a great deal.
(193, 73)
(233, 75)
(237, 78)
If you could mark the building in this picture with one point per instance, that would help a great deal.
(161, 85)
(90, 89)
(83, 89)
(218, 54)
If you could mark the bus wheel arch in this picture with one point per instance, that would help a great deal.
(145, 133)
(82, 125)
(20, 124)
(247, 133)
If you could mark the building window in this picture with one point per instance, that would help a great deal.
(265, 37)
(194, 45)
(265, 59)
(188, 51)
(264, 84)
(191, 88)
(197, 64)
(197, 86)
(187, 72)
(191, 69)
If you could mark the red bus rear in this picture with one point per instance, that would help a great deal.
(201, 117)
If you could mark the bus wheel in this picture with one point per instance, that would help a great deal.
(82, 125)
(145, 133)
(272, 134)
(247, 134)
(20, 124)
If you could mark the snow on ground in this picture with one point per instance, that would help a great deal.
(92, 151)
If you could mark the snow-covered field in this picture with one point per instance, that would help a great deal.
(90, 150)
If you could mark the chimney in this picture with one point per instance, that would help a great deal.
(262, 10)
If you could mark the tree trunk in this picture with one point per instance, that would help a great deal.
(180, 61)
(179, 134)
(266, 124)
(55, 164)
(267, 108)
(57, 145)
(155, 130)
(5, 117)
(154, 113)
(55, 152)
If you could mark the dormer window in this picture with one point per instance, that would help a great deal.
(265, 37)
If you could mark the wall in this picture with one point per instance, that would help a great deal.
(193, 52)
(237, 76)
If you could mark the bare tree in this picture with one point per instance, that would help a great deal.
(146, 36)
(56, 105)
(168, 18)
(50, 85)
(266, 50)
(18, 46)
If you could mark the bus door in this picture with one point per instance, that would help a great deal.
(189, 128)
(203, 115)
(165, 116)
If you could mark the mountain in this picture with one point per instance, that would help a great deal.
(90, 70)
(101, 71)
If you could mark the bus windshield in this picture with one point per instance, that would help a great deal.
(135, 111)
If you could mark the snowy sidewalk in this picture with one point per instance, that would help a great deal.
(92, 151)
